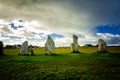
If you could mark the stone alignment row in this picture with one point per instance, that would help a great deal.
(50, 47)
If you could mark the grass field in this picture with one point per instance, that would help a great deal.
(88, 65)
(41, 51)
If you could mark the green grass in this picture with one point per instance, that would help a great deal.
(63, 66)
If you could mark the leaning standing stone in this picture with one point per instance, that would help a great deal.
(49, 46)
(74, 45)
(102, 46)
(1, 48)
(24, 49)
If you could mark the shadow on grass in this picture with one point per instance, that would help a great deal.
(53, 54)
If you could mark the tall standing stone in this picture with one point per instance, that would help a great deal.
(24, 49)
(74, 45)
(49, 46)
(101, 46)
(1, 48)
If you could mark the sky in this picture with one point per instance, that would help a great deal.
(34, 20)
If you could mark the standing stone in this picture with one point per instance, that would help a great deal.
(101, 46)
(49, 46)
(31, 50)
(74, 45)
(1, 48)
(24, 49)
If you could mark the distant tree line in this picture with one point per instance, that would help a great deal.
(17, 46)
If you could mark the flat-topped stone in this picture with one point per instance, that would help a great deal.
(49, 46)
(24, 49)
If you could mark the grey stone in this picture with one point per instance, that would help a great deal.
(102, 46)
(49, 46)
(24, 49)
(1, 48)
(74, 45)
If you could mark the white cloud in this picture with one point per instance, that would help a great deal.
(36, 35)
(111, 39)
(62, 41)
(17, 23)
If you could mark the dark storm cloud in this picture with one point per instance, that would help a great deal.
(104, 11)
(97, 11)
(52, 14)
(17, 8)
(100, 10)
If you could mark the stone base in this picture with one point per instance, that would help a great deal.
(53, 54)
(23, 54)
(32, 53)
(105, 51)
(75, 52)
(2, 54)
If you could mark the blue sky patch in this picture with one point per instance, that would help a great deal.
(54, 35)
(15, 27)
(112, 29)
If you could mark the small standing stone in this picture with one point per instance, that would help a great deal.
(24, 49)
(1, 48)
(102, 46)
(31, 51)
(74, 45)
(49, 46)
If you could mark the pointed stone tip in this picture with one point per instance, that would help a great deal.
(48, 36)
(25, 41)
(100, 40)
(75, 36)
